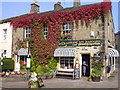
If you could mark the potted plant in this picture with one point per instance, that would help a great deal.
(97, 67)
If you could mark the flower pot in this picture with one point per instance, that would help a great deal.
(96, 79)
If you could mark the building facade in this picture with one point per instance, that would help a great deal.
(78, 43)
(6, 40)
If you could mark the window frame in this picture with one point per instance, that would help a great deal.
(45, 31)
(27, 32)
(69, 64)
(4, 34)
(67, 28)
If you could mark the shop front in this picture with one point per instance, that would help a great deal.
(75, 52)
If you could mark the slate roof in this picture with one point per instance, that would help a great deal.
(48, 12)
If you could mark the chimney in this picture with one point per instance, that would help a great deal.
(34, 7)
(76, 3)
(58, 6)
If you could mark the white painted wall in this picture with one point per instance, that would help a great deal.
(6, 44)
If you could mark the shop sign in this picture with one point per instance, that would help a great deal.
(77, 73)
(89, 42)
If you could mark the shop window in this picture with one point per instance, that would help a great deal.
(45, 31)
(4, 34)
(27, 32)
(66, 63)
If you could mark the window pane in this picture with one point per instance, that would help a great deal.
(66, 63)
(4, 34)
(67, 28)
(45, 31)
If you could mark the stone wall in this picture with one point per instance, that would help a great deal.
(18, 34)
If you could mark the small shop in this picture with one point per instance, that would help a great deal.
(78, 52)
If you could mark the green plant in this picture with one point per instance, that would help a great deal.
(32, 68)
(52, 64)
(8, 64)
(38, 69)
(97, 67)
(89, 77)
(24, 70)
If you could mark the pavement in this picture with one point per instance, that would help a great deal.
(112, 82)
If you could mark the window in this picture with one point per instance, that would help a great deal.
(4, 34)
(27, 32)
(45, 31)
(66, 62)
(67, 28)
(4, 53)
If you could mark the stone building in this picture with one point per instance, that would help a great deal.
(83, 43)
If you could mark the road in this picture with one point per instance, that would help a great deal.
(112, 82)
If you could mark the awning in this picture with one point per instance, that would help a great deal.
(23, 52)
(113, 52)
(64, 52)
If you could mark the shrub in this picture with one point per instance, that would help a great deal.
(32, 68)
(52, 64)
(8, 64)
(39, 69)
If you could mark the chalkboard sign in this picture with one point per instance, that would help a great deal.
(77, 73)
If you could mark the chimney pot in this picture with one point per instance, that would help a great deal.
(58, 6)
(76, 3)
(59, 3)
(34, 7)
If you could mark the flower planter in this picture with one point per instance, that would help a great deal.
(96, 79)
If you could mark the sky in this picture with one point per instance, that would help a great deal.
(11, 8)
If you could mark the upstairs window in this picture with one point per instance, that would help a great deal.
(66, 31)
(27, 32)
(67, 28)
(4, 34)
(45, 31)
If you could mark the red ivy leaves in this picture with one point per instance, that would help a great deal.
(44, 48)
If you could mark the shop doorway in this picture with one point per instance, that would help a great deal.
(86, 65)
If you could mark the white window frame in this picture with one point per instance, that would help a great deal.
(68, 59)
(4, 34)
(27, 32)
(45, 31)
(67, 28)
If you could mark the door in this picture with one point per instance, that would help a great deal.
(86, 65)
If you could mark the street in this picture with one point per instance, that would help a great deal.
(112, 82)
